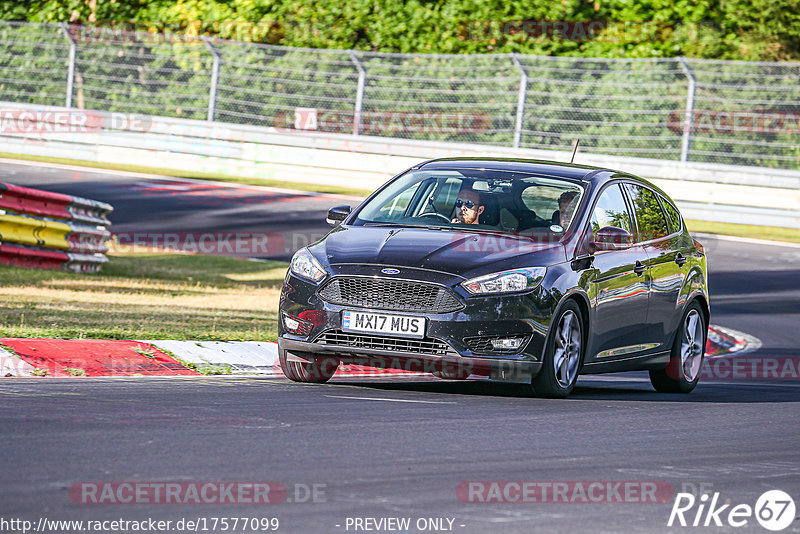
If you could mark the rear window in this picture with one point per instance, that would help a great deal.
(673, 216)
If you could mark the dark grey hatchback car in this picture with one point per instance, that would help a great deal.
(519, 270)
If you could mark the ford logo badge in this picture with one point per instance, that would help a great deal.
(390, 271)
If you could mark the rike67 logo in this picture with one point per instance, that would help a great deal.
(774, 510)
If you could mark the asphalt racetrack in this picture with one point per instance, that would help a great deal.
(403, 448)
(148, 211)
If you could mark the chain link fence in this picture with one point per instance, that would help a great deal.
(741, 113)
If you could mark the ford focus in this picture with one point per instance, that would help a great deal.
(523, 271)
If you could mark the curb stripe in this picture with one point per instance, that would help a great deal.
(239, 356)
(12, 365)
(97, 357)
(94, 357)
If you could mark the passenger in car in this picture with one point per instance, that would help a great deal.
(566, 208)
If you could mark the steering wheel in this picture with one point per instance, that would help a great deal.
(432, 214)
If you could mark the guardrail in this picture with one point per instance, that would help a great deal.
(44, 230)
(681, 109)
(705, 191)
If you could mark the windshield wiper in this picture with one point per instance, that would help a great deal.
(443, 228)
(490, 231)
(407, 225)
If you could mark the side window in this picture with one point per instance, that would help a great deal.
(446, 196)
(541, 199)
(610, 210)
(396, 207)
(650, 218)
(555, 204)
(672, 214)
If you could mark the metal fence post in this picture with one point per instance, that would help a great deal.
(71, 67)
(523, 88)
(212, 94)
(362, 79)
(688, 118)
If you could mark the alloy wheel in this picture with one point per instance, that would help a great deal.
(692, 345)
(567, 353)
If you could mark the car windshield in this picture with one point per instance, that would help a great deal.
(475, 199)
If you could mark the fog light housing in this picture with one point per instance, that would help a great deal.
(297, 326)
(507, 343)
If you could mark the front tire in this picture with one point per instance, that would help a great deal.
(318, 371)
(688, 351)
(563, 355)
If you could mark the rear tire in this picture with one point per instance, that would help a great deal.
(682, 373)
(319, 371)
(563, 355)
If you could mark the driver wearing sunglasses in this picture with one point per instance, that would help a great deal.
(469, 207)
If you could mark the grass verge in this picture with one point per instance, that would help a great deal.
(771, 233)
(150, 296)
(246, 180)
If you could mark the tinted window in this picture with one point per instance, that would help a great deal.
(395, 208)
(649, 217)
(503, 200)
(446, 195)
(672, 214)
(550, 200)
(611, 210)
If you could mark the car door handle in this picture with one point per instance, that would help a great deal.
(680, 259)
(639, 268)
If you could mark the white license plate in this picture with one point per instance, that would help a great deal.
(383, 323)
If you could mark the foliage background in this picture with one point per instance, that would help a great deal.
(719, 29)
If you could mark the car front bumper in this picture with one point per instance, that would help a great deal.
(455, 333)
(521, 371)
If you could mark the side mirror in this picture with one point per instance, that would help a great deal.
(611, 238)
(337, 214)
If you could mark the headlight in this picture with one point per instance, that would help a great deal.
(506, 281)
(306, 266)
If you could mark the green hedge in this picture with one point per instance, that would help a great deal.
(720, 29)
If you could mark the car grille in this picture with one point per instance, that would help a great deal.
(427, 346)
(383, 294)
(483, 344)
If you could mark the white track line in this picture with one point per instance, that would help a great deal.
(69, 167)
(751, 240)
(389, 400)
(163, 177)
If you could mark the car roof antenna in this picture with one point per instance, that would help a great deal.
(577, 142)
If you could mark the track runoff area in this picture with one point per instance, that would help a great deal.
(378, 452)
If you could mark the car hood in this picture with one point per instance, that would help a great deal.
(458, 252)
